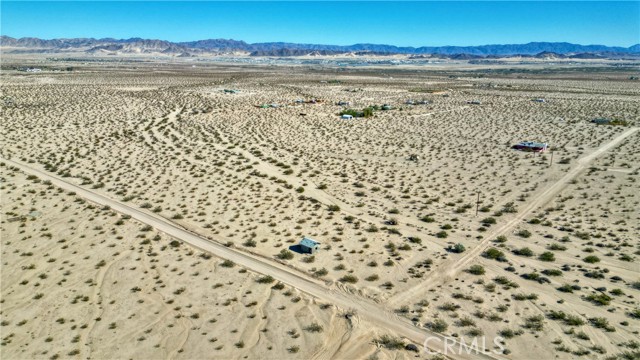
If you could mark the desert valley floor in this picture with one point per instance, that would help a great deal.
(152, 210)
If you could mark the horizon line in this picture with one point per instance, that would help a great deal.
(311, 43)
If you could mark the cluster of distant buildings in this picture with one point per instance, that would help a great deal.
(30, 69)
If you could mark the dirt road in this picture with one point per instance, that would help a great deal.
(448, 270)
(376, 314)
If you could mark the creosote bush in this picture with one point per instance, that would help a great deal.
(476, 270)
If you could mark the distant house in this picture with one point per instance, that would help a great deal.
(308, 245)
(531, 146)
(343, 103)
(347, 117)
(540, 100)
(474, 102)
(231, 91)
(601, 121)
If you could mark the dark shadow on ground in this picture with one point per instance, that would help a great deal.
(296, 249)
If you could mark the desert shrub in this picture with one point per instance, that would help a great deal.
(427, 219)
(285, 255)
(488, 221)
(599, 299)
(278, 286)
(524, 233)
(314, 327)
(505, 282)
(552, 272)
(616, 292)
(390, 342)
(250, 243)
(626, 257)
(525, 251)
(457, 248)
(495, 254)
(508, 333)
(509, 208)
(351, 279)
(567, 288)
(373, 277)
(372, 228)
(476, 270)
(601, 323)
(572, 320)
(531, 276)
(557, 247)
(227, 264)
(267, 279)
(594, 274)
(522, 297)
(582, 235)
(321, 272)
(591, 259)
(466, 321)
(500, 239)
(547, 256)
(449, 307)
(556, 315)
(414, 240)
(442, 234)
(438, 325)
(534, 323)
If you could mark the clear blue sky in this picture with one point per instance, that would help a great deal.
(340, 23)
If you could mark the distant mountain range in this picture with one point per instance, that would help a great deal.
(191, 48)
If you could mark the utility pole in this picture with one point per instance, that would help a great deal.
(551, 162)
(478, 203)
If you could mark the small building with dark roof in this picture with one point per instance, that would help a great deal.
(601, 121)
(531, 146)
(308, 245)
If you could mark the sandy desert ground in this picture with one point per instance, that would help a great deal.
(550, 262)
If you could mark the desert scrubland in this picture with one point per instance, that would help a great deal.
(549, 263)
